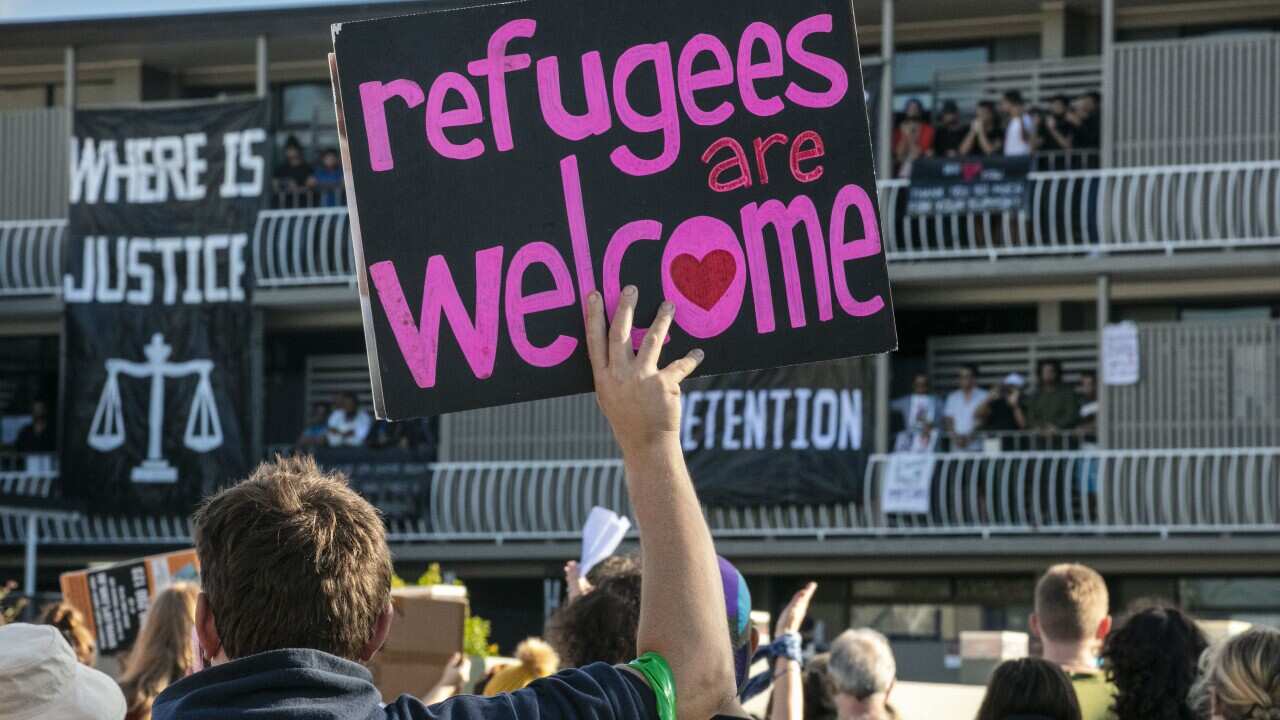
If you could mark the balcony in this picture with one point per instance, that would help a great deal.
(1091, 493)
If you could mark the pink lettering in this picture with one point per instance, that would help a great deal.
(596, 120)
(824, 66)
(420, 346)
(666, 120)
(863, 247)
(578, 238)
(749, 72)
(798, 155)
(438, 118)
(496, 66)
(519, 305)
(784, 220)
(761, 147)
(373, 100)
(702, 273)
(622, 240)
(690, 82)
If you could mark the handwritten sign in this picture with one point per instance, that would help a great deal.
(968, 185)
(506, 160)
(908, 484)
(1120, 364)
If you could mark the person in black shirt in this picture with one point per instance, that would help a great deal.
(1056, 130)
(295, 172)
(1087, 133)
(985, 137)
(950, 132)
(37, 437)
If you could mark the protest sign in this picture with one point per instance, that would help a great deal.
(162, 203)
(505, 160)
(779, 436)
(908, 484)
(426, 630)
(114, 599)
(947, 186)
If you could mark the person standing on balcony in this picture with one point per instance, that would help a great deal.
(329, 178)
(1087, 423)
(950, 133)
(985, 134)
(316, 432)
(1072, 619)
(1001, 411)
(38, 435)
(293, 178)
(913, 138)
(348, 425)
(1087, 126)
(921, 413)
(1056, 130)
(1021, 136)
(1054, 407)
(960, 412)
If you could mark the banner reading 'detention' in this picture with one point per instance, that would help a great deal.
(163, 202)
(507, 159)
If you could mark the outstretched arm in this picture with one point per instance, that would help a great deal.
(788, 679)
(682, 614)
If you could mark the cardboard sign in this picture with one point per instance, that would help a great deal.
(425, 633)
(505, 160)
(968, 185)
(114, 599)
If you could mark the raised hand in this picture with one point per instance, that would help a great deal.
(792, 616)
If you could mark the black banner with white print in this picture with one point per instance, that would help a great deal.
(158, 321)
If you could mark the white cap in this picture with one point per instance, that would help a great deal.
(41, 678)
(1014, 380)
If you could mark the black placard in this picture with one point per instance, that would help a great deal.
(968, 185)
(793, 435)
(482, 169)
(158, 321)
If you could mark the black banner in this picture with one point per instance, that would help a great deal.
(968, 185)
(396, 480)
(792, 435)
(158, 321)
(715, 154)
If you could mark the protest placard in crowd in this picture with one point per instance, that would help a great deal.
(114, 598)
(712, 154)
(970, 185)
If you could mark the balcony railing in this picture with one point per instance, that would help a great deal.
(31, 257)
(1114, 492)
(302, 246)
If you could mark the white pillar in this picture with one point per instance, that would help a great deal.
(69, 77)
(1108, 111)
(261, 82)
(884, 163)
(29, 570)
(1104, 317)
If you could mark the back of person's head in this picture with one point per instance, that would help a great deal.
(1013, 97)
(862, 664)
(74, 628)
(819, 691)
(737, 601)
(1029, 688)
(535, 659)
(1071, 604)
(1240, 677)
(601, 625)
(162, 654)
(40, 677)
(1152, 658)
(293, 558)
(613, 565)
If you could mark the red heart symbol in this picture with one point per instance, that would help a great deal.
(704, 281)
(970, 170)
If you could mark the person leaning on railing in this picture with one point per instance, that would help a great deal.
(1053, 407)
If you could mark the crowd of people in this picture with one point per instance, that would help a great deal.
(295, 598)
(966, 416)
(347, 425)
(299, 183)
(1011, 127)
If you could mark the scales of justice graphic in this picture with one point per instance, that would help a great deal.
(204, 429)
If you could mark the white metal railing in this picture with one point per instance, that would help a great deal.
(31, 257)
(1037, 80)
(27, 477)
(1161, 209)
(1098, 492)
(302, 246)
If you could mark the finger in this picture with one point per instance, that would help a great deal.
(597, 347)
(679, 369)
(620, 328)
(655, 336)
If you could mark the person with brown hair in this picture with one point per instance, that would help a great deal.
(1029, 688)
(74, 628)
(1240, 677)
(297, 579)
(162, 654)
(1072, 618)
(1153, 659)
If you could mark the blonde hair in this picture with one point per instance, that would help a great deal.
(71, 623)
(162, 654)
(1071, 601)
(537, 660)
(1242, 676)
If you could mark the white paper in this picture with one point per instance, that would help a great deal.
(908, 483)
(1120, 364)
(601, 535)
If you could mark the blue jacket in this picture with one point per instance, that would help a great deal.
(312, 685)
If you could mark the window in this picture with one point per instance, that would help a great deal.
(913, 70)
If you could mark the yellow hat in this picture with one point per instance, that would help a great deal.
(537, 660)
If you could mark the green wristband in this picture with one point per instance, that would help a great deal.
(655, 669)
